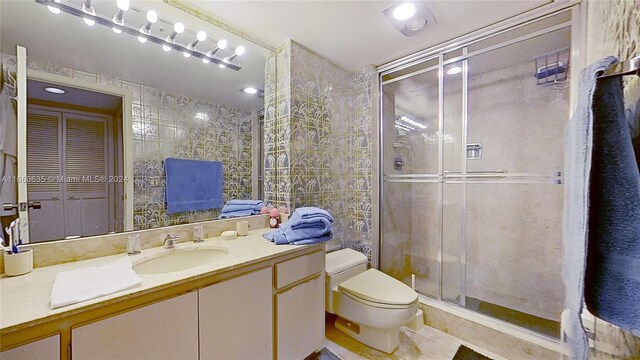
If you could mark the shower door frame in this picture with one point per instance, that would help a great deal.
(578, 15)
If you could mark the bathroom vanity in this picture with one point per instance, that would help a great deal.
(259, 301)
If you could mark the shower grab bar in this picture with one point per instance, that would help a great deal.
(417, 180)
(504, 177)
(411, 178)
(471, 174)
(505, 181)
(401, 176)
(476, 176)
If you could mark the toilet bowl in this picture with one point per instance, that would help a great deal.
(371, 306)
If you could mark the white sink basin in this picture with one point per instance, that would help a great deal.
(180, 259)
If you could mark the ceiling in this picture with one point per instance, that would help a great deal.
(73, 96)
(354, 34)
(66, 41)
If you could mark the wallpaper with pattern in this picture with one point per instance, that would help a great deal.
(612, 29)
(318, 120)
(170, 125)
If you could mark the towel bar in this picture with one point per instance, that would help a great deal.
(629, 67)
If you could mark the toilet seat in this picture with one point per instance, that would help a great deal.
(375, 288)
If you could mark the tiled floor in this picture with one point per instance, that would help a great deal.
(427, 344)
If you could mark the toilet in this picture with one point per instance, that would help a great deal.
(371, 306)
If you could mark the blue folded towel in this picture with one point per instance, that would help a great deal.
(245, 202)
(237, 208)
(233, 207)
(193, 185)
(238, 213)
(313, 212)
(305, 226)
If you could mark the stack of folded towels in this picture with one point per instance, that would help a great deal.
(237, 208)
(306, 225)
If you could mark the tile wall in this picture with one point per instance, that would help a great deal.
(318, 131)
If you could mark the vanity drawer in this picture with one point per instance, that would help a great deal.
(290, 271)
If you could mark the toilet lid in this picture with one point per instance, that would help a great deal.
(376, 286)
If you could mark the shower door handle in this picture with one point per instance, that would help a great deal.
(491, 174)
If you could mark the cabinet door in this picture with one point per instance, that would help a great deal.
(45, 349)
(236, 318)
(164, 330)
(300, 314)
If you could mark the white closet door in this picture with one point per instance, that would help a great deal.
(87, 169)
(44, 168)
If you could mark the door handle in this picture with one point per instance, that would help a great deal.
(22, 206)
(55, 198)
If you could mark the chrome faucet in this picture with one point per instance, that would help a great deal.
(170, 241)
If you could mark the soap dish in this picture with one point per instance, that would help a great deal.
(229, 235)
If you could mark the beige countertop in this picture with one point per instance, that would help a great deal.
(24, 300)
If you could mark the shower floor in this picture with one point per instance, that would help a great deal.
(429, 287)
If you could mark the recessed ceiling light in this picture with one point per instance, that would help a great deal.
(404, 11)
(54, 90)
(454, 70)
(250, 90)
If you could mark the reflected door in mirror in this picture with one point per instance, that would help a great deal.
(70, 162)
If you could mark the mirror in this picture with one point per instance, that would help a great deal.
(110, 96)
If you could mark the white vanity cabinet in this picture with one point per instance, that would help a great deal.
(300, 306)
(45, 349)
(164, 330)
(270, 309)
(236, 318)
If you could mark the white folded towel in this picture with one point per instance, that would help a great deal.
(70, 287)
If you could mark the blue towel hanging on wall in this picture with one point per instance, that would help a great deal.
(612, 278)
(193, 185)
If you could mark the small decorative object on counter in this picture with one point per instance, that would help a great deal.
(242, 227)
(284, 216)
(133, 244)
(265, 210)
(274, 222)
(18, 263)
(198, 233)
(229, 235)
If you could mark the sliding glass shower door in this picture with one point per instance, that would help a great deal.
(471, 197)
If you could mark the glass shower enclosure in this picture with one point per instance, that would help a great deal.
(471, 161)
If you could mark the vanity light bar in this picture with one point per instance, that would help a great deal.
(108, 22)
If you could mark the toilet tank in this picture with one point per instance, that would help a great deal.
(340, 266)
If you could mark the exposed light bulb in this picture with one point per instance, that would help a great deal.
(222, 66)
(54, 9)
(404, 11)
(240, 50)
(221, 44)
(205, 60)
(152, 16)
(178, 27)
(201, 36)
(186, 54)
(166, 47)
(250, 90)
(142, 39)
(123, 4)
(88, 21)
(116, 30)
